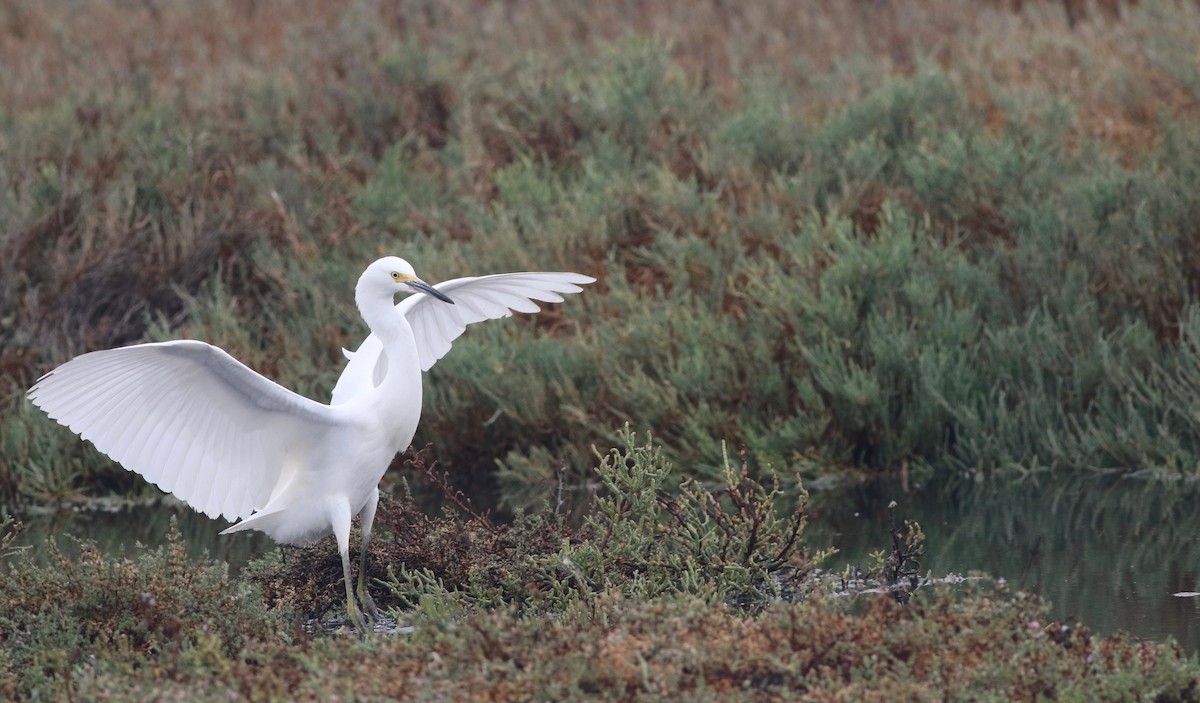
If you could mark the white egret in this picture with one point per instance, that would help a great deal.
(227, 441)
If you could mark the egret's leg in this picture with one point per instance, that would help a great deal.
(366, 517)
(339, 517)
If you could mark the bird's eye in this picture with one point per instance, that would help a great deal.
(395, 275)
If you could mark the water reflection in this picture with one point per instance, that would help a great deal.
(1109, 551)
(120, 530)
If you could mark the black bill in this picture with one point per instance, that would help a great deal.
(426, 288)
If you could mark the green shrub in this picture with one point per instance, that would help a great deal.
(98, 615)
(842, 263)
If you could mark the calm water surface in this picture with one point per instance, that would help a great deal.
(1107, 551)
(119, 531)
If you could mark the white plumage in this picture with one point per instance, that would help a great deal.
(434, 327)
(188, 417)
(227, 441)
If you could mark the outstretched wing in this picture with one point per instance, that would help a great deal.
(188, 417)
(436, 324)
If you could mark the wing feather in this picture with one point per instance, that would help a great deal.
(182, 451)
(202, 423)
(131, 432)
(106, 410)
(242, 504)
(218, 476)
(436, 324)
(165, 421)
(184, 415)
(81, 399)
(138, 445)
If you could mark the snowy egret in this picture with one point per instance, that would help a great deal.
(197, 423)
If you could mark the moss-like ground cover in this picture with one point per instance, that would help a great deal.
(851, 238)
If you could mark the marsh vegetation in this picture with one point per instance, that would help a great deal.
(834, 241)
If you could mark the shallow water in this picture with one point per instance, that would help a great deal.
(1108, 551)
(120, 530)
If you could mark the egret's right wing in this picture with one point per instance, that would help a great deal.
(189, 418)
(437, 324)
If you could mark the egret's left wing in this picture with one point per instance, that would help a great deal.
(436, 324)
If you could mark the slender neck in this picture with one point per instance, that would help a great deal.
(389, 325)
(380, 315)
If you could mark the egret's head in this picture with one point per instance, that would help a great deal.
(396, 275)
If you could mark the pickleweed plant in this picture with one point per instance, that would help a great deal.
(645, 535)
(733, 540)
